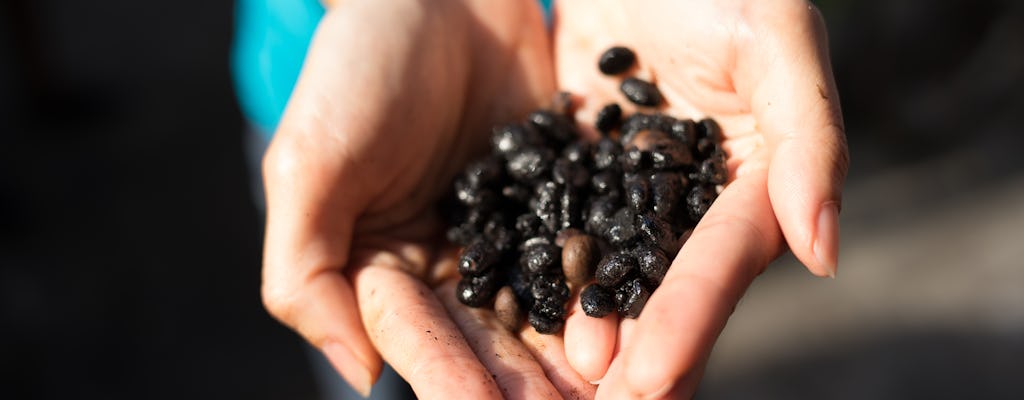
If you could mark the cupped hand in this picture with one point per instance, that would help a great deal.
(761, 69)
(394, 98)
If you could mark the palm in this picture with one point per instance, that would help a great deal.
(727, 61)
(693, 64)
(371, 139)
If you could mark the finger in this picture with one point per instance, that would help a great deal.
(589, 342)
(321, 311)
(549, 351)
(795, 103)
(626, 328)
(316, 151)
(414, 333)
(516, 372)
(582, 31)
(675, 332)
(613, 376)
(613, 386)
(307, 244)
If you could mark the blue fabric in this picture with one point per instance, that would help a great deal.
(547, 7)
(271, 39)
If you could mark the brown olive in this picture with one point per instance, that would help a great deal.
(507, 309)
(579, 258)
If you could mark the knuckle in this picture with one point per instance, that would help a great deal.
(529, 381)
(278, 301)
(767, 245)
(278, 161)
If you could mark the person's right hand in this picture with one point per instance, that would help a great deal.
(394, 98)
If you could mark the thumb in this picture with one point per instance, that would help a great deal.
(307, 244)
(795, 103)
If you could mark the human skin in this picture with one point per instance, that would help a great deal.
(396, 96)
(761, 69)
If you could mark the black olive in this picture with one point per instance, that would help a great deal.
(516, 193)
(556, 127)
(608, 118)
(699, 200)
(657, 232)
(708, 128)
(712, 170)
(638, 192)
(653, 263)
(477, 258)
(529, 225)
(502, 238)
(614, 268)
(605, 182)
(545, 204)
(508, 139)
(462, 234)
(547, 318)
(577, 152)
(667, 190)
(540, 259)
(705, 147)
(484, 171)
(607, 153)
(570, 210)
(521, 286)
(670, 155)
(616, 60)
(634, 124)
(474, 196)
(599, 215)
(622, 230)
(634, 159)
(641, 92)
(685, 131)
(549, 288)
(477, 291)
(530, 163)
(632, 296)
(570, 173)
(597, 301)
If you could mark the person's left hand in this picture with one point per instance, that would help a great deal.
(761, 69)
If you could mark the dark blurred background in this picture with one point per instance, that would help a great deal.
(130, 245)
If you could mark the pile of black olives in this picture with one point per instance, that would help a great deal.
(546, 210)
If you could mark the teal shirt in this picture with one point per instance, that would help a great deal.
(271, 38)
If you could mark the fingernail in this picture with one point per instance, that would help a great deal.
(826, 238)
(350, 368)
